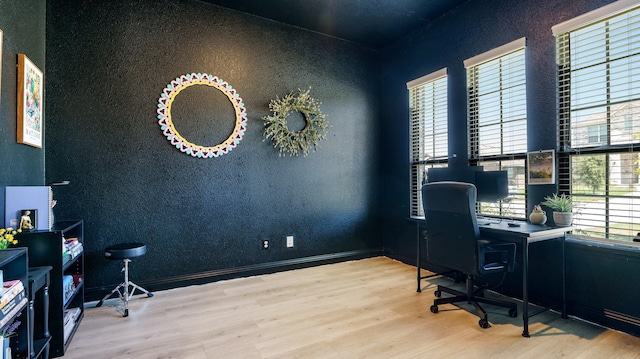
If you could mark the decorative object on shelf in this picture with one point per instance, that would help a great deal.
(538, 216)
(275, 125)
(541, 167)
(28, 219)
(6, 334)
(7, 237)
(10, 330)
(168, 129)
(30, 102)
(562, 207)
(6, 347)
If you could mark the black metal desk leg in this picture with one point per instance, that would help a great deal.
(525, 289)
(419, 245)
(564, 280)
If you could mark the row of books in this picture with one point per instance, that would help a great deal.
(12, 301)
(68, 287)
(71, 316)
(70, 249)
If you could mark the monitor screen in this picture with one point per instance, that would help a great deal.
(457, 174)
(492, 185)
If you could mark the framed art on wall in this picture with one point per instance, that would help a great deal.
(30, 102)
(542, 169)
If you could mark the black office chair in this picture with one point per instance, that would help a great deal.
(454, 242)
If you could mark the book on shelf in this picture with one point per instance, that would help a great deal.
(13, 308)
(12, 303)
(68, 328)
(68, 288)
(11, 289)
(71, 316)
(75, 249)
(72, 247)
(77, 279)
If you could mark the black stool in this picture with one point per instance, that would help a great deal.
(125, 289)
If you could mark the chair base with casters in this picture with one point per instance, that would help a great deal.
(127, 288)
(474, 297)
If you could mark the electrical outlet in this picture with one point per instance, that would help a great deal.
(265, 244)
(289, 241)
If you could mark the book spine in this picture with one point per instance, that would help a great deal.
(17, 305)
(11, 293)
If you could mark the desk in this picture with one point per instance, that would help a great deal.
(522, 235)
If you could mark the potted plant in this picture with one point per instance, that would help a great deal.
(562, 207)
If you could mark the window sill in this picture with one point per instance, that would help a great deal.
(604, 243)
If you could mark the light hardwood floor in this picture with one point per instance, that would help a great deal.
(359, 309)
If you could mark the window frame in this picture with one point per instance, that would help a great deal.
(418, 121)
(612, 148)
(473, 66)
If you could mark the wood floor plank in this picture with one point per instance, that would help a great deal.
(359, 309)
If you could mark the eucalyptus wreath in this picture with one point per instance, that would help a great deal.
(275, 125)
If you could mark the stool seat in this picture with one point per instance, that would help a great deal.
(125, 250)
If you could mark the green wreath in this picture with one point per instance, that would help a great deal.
(275, 125)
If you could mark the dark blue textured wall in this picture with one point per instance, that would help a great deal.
(471, 29)
(108, 62)
(23, 24)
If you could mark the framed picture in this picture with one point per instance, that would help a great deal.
(30, 102)
(541, 167)
(28, 219)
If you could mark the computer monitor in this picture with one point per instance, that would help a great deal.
(457, 174)
(492, 186)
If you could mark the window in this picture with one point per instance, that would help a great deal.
(598, 134)
(598, 65)
(428, 121)
(497, 115)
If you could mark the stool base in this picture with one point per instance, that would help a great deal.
(125, 291)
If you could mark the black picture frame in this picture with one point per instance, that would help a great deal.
(33, 216)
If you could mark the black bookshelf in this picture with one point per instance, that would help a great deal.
(45, 248)
(14, 265)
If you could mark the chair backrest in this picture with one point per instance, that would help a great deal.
(451, 225)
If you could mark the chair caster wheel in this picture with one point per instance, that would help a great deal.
(484, 324)
(126, 313)
(437, 293)
(99, 303)
(149, 295)
(434, 309)
(513, 313)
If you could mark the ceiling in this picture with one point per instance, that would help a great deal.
(372, 23)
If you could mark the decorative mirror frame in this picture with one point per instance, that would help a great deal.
(169, 131)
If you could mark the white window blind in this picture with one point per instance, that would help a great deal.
(497, 115)
(497, 104)
(428, 126)
(598, 64)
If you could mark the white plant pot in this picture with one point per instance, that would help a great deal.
(563, 219)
